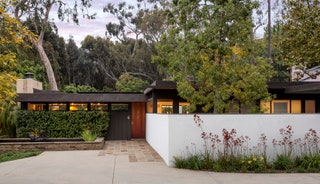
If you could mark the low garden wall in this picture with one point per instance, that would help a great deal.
(179, 135)
(51, 144)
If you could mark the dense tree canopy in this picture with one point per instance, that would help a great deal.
(208, 52)
(13, 34)
(129, 83)
(38, 13)
(300, 43)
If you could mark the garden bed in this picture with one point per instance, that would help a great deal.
(50, 144)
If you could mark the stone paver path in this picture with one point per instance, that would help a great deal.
(137, 150)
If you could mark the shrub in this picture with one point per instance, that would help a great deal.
(283, 162)
(88, 135)
(62, 123)
(309, 163)
(253, 163)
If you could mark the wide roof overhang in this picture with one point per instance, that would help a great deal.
(58, 97)
(296, 87)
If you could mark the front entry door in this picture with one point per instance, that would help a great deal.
(120, 125)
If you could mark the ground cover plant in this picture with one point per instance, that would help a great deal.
(231, 153)
(9, 156)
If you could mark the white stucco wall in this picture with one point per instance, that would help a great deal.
(157, 134)
(170, 135)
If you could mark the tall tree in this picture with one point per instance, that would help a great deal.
(208, 52)
(38, 12)
(138, 28)
(73, 56)
(300, 43)
(102, 68)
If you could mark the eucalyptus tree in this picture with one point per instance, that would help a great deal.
(73, 54)
(38, 12)
(138, 28)
(102, 70)
(208, 51)
(300, 39)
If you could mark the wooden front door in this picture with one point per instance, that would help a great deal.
(138, 120)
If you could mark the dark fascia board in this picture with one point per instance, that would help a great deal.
(82, 97)
(160, 85)
(307, 88)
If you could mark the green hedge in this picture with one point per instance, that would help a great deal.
(65, 124)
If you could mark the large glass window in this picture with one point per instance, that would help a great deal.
(99, 107)
(165, 106)
(78, 106)
(183, 107)
(36, 106)
(280, 106)
(57, 107)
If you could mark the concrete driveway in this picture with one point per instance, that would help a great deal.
(114, 165)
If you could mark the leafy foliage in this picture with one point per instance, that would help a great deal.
(208, 52)
(301, 35)
(72, 88)
(236, 156)
(13, 34)
(88, 135)
(62, 124)
(129, 83)
(37, 12)
(8, 119)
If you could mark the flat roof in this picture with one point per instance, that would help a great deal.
(50, 96)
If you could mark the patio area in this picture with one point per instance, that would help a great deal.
(136, 150)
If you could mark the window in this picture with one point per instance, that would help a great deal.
(165, 106)
(78, 106)
(58, 107)
(280, 107)
(99, 107)
(183, 106)
(36, 106)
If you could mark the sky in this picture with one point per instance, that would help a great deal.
(97, 26)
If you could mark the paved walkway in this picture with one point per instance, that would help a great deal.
(113, 165)
(137, 150)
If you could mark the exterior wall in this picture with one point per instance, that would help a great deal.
(27, 85)
(157, 134)
(171, 135)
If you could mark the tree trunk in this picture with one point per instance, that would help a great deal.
(50, 74)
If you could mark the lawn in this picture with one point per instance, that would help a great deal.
(4, 157)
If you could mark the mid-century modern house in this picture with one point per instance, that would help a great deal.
(128, 110)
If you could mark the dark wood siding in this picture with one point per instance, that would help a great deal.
(119, 127)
